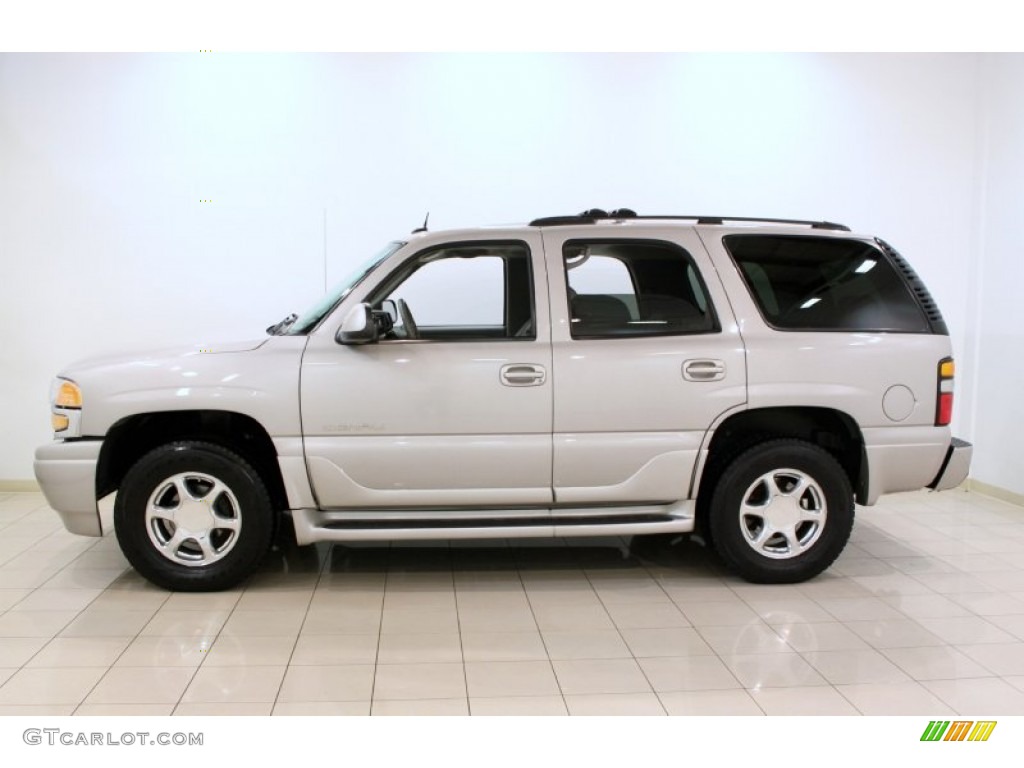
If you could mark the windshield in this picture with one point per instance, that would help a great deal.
(316, 313)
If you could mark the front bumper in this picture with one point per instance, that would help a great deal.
(66, 471)
(955, 467)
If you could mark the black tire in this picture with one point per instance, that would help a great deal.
(717, 464)
(224, 527)
(788, 534)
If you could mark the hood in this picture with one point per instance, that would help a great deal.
(149, 356)
(257, 378)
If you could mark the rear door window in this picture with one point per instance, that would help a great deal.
(634, 288)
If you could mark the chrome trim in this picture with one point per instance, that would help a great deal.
(783, 514)
(193, 519)
(74, 428)
(329, 516)
(313, 525)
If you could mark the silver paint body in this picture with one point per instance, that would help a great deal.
(444, 431)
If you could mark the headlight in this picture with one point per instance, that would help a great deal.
(66, 407)
(68, 395)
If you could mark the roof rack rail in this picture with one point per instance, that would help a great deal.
(594, 215)
(759, 219)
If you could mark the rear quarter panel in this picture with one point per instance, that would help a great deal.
(886, 382)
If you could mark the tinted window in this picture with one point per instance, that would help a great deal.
(634, 288)
(823, 283)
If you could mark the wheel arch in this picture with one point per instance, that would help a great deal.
(134, 436)
(830, 429)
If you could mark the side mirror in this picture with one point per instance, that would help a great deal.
(358, 327)
(389, 308)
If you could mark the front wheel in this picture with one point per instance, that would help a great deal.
(193, 516)
(781, 512)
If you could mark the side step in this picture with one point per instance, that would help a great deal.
(313, 525)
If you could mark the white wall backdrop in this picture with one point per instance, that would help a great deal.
(996, 346)
(313, 161)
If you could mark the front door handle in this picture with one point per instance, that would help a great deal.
(704, 370)
(523, 375)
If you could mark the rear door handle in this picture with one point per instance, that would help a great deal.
(704, 370)
(523, 375)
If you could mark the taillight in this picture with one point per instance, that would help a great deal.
(944, 407)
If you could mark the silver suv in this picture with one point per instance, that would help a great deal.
(599, 374)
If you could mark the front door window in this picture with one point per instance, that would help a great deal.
(462, 293)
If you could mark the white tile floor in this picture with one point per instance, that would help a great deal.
(922, 615)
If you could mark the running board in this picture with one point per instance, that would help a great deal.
(313, 525)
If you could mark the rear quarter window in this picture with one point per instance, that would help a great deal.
(825, 284)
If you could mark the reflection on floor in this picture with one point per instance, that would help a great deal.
(923, 614)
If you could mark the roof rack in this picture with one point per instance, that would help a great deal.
(591, 216)
(595, 215)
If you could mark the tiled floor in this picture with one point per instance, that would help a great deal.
(923, 614)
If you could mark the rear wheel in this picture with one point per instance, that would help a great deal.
(193, 516)
(781, 512)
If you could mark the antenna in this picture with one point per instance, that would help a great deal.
(424, 227)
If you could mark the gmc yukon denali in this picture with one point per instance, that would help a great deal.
(750, 380)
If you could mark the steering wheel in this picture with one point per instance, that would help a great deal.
(408, 324)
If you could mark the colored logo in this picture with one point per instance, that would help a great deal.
(958, 730)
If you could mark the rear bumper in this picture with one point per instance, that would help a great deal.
(66, 472)
(902, 458)
(955, 466)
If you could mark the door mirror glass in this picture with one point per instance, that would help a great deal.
(358, 327)
(390, 309)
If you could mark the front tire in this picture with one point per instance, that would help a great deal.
(781, 512)
(193, 517)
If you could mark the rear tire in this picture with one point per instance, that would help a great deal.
(781, 512)
(193, 517)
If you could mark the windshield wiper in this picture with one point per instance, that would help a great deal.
(278, 328)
